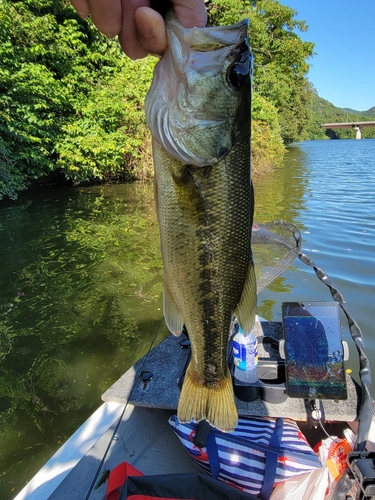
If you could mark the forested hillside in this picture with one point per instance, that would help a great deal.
(370, 113)
(325, 112)
(71, 104)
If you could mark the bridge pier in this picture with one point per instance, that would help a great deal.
(358, 134)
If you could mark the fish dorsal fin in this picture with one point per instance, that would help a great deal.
(173, 318)
(246, 309)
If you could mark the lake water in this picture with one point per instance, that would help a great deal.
(80, 291)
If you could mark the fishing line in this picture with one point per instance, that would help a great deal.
(105, 473)
(96, 483)
(152, 344)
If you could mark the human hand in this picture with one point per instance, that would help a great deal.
(140, 29)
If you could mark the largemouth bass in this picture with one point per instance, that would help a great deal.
(198, 111)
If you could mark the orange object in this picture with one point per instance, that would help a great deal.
(337, 453)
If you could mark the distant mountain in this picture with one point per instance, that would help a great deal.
(324, 111)
(369, 113)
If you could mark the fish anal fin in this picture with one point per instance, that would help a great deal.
(214, 404)
(246, 309)
(173, 318)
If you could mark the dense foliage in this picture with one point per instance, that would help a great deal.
(109, 137)
(267, 146)
(71, 104)
(67, 104)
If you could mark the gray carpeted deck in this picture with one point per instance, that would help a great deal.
(167, 361)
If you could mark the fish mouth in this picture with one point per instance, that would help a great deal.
(197, 113)
(207, 39)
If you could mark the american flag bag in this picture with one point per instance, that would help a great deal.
(259, 454)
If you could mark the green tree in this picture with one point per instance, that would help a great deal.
(109, 138)
(50, 65)
(280, 66)
(280, 58)
(267, 146)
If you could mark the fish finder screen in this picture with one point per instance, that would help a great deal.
(313, 350)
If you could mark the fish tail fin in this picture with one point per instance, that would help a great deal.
(214, 404)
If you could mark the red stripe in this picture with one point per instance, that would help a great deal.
(117, 478)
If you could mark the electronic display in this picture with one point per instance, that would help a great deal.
(313, 350)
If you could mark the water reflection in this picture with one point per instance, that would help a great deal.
(274, 192)
(80, 302)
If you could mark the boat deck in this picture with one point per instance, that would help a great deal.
(141, 437)
(132, 424)
(166, 362)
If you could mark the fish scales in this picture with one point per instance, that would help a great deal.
(204, 204)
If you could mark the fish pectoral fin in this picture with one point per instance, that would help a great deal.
(201, 402)
(246, 309)
(173, 318)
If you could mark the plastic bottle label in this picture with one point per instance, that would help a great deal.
(245, 356)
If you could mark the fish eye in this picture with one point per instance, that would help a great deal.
(238, 74)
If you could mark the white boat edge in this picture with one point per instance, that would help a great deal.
(50, 476)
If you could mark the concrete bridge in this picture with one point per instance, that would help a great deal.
(356, 125)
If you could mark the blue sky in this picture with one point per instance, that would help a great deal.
(343, 70)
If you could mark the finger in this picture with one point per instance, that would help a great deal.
(82, 7)
(128, 36)
(190, 13)
(151, 30)
(106, 15)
